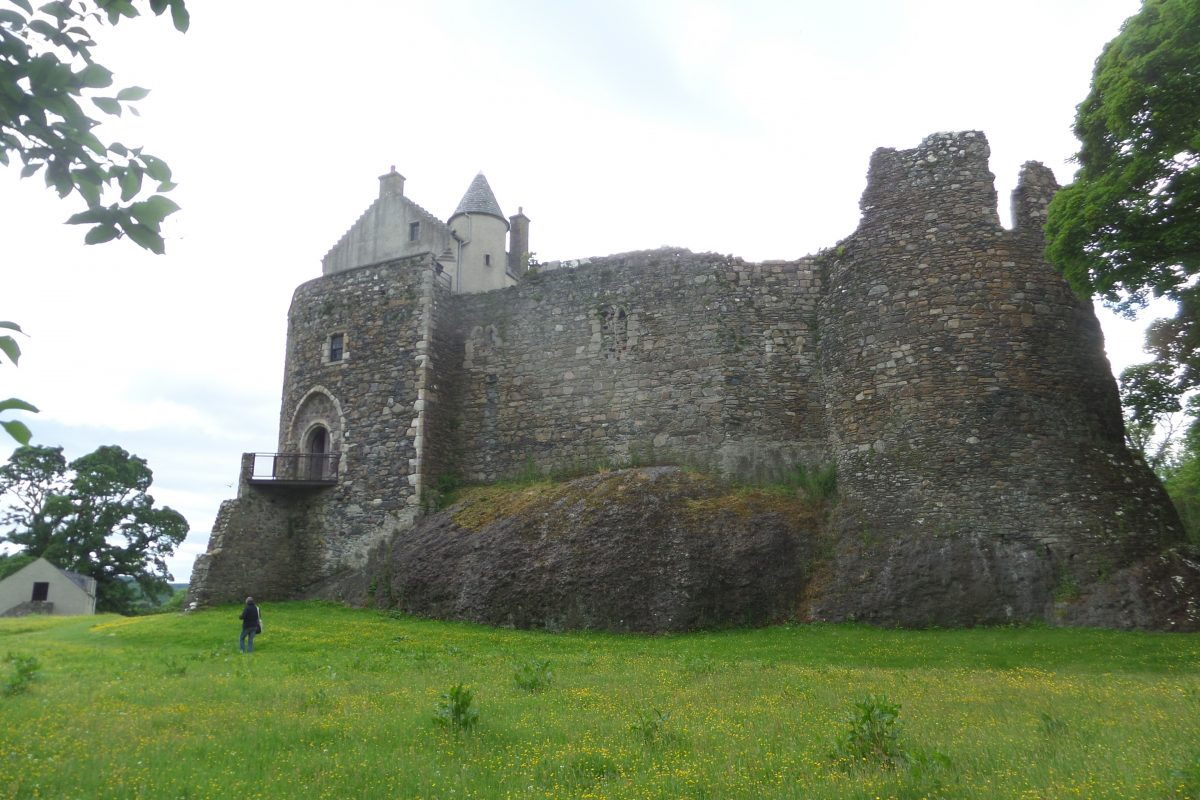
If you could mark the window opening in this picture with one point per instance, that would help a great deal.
(414, 230)
(336, 346)
(41, 590)
(487, 259)
(614, 331)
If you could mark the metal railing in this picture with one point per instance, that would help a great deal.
(309, 468)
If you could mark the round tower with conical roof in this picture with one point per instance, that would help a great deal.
(481, 233)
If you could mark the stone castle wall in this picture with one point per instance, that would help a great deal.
(666, 355)
(948, 371)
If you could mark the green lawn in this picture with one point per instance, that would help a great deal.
(340, 703)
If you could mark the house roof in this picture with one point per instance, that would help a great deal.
(85, 583)
(479, 199)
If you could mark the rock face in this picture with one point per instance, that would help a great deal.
(652, 549)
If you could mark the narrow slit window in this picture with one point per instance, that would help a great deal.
(336, 347)
(487, 259)
(414, 230)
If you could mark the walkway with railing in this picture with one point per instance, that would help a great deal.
(292, 469)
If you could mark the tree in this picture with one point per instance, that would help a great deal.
(35, 480)
(46, 70)
(93, 516)
(1128, 227)
(1183, 483)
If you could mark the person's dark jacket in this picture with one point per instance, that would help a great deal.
(250, 617)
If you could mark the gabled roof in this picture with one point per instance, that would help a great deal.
(479, 200)
(84, 582)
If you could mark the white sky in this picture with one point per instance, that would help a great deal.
(737, 126)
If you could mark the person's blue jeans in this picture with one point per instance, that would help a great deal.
(246, 640)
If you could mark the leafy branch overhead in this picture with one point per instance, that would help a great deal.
(1128, 227)
(50, 89)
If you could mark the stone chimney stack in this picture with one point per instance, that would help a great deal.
(1035, 189)
(518, 242)
(391, 183)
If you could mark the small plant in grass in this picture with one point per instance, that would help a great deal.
(1051, 725)
(874, 735)
(456, 710)
(175, 666)
(532, 676)
(1186, 782)
(24, 671)
(650, 724)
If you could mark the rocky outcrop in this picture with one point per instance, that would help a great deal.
(661, 549)
(653, 549)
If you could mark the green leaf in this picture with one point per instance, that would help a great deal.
(180, 16)
(131, 182)
(157, 169)
(10, 348)
(11, 326)
(108, 105)
(119, 149)
(132, 93)
(101, 234)
(23, 4)
(14, 404)
(153, 211)
(29, 169)
(13, 18)
(90, 216)
(17, 430)
(94, 76)
(145, 237)
(58, 9)
(158, 6)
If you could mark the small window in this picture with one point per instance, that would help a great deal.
(487, 259)
(414, 230)
(336, 347)
(41, 590)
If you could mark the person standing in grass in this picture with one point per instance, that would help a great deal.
(251, 625)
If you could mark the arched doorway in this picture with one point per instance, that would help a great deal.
(316, 447)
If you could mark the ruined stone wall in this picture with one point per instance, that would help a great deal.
(659, 356)
(969, 396)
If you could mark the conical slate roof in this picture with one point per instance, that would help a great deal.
(479, 200)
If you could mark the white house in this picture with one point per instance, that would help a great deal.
(42, 588)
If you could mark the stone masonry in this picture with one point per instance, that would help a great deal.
(950, 374)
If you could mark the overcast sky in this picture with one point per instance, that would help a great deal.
(739, 126)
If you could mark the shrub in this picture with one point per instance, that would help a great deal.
(456, 709)
(874, 735)
(25, 670)
(532, 676)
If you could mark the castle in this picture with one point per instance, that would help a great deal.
(957, 383)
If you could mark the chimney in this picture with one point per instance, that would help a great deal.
(391, 184)
(518, 242)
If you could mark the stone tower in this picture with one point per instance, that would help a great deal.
(481, 233)
(975, 422)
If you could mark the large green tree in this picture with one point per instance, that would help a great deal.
(51, 90)
(92, 516)
(1128, 226)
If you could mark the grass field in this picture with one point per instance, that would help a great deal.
(340, 703)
